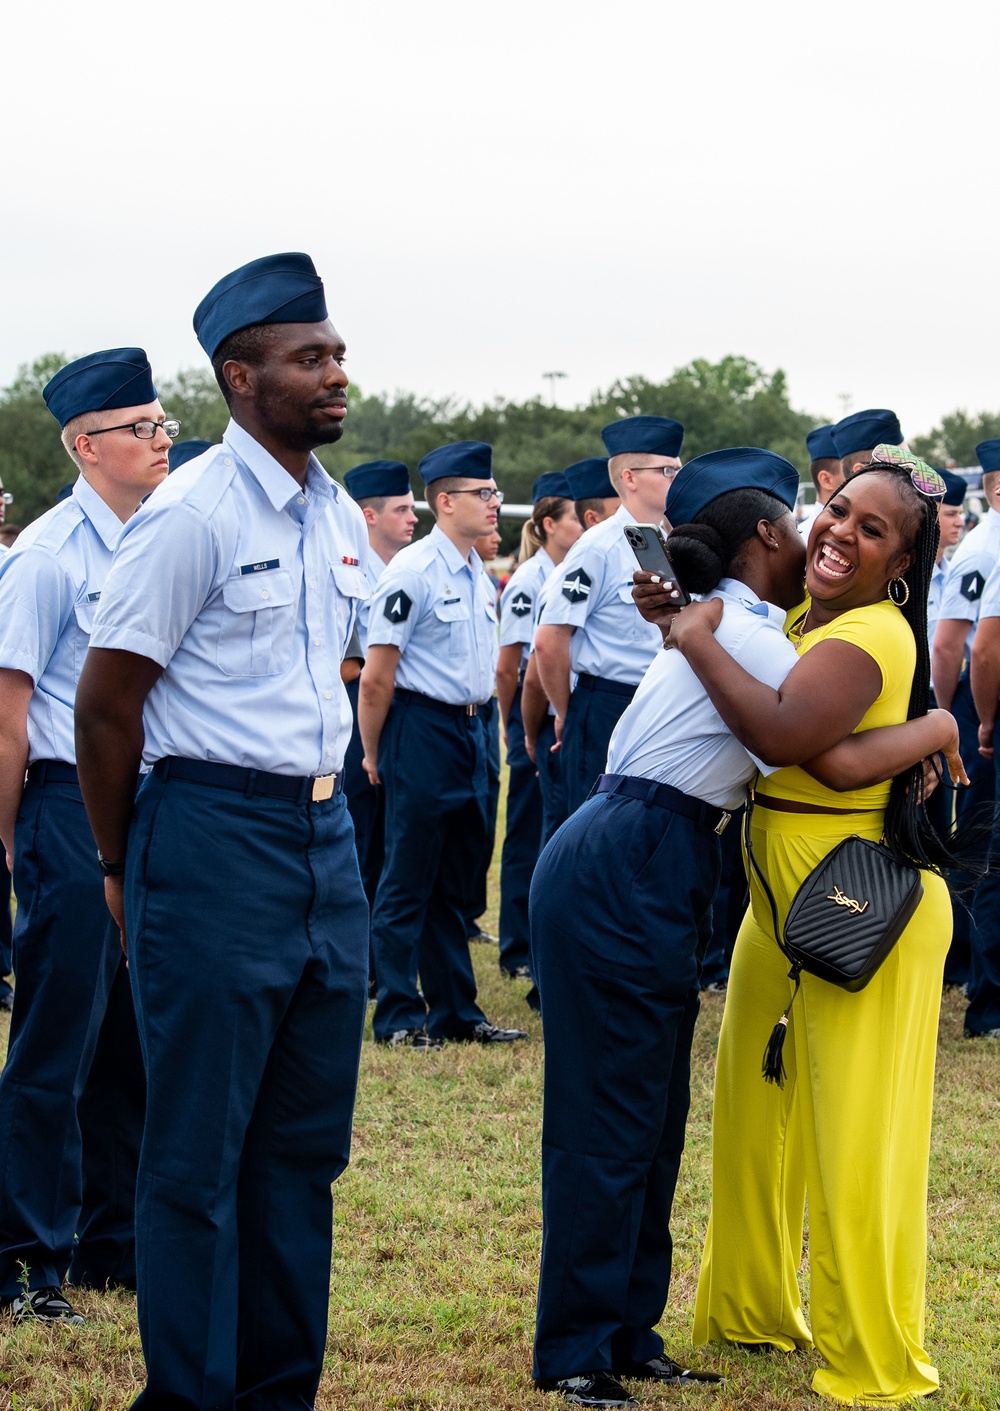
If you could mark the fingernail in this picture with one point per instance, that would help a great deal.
(654, 579)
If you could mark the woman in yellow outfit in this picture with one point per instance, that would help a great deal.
(850, 1128)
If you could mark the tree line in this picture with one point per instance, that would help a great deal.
(733, 402)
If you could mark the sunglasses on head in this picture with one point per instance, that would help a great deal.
(924, 478)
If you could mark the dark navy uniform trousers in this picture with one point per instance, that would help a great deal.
(983, 1013)
(251, 1062)
(620, 912)
(971, 803)
(66, 959)
(366, 804)
(595, 707)
(490, 713)
(432, 761)
(520, 845)
(550, 783)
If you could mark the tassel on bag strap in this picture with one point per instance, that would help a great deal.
(773, 1065)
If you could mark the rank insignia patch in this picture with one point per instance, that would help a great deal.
(576, 586)
(397, 606)
(520, 604)
(972, 586)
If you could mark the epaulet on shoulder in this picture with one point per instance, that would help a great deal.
(54, 528)
(199, 485)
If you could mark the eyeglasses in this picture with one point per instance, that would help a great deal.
(665, 470)
(924, 478)
(143, 430)
(6, 497)
(485, 494)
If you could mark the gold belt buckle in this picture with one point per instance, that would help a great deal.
(323, 787)
(723, 823)
(472, 710)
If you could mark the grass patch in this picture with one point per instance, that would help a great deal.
(438, 1231)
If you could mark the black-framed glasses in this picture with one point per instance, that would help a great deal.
(143, 430)
(664, 470)
(485, 494)
(924, 478)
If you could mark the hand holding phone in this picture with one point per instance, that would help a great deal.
(649, 544)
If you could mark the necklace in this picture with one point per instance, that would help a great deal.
(801, 628)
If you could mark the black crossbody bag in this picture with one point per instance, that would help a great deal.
(844, 920)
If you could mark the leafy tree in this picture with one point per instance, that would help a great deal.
(193, 397)
(33, 464)
(956, 438)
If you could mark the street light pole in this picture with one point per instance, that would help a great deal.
(552, 378)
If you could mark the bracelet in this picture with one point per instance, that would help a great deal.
(110, 869)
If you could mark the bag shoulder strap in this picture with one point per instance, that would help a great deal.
(765, 884)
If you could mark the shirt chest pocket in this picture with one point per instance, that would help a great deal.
(451, 618)
(84, 613)
(628, 613)
(257, 625)
(353, 590)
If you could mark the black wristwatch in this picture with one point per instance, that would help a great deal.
(110, 869)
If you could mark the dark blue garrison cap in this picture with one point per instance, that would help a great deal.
(862, 431)
(377, 478)
(466, 460)
(183, 451)
(957, 489)
(275, 289)
(988, 454)
(739, 468)
(553, 482)
(819, 444)
(589, 479)
(651, 435)
(100, 382)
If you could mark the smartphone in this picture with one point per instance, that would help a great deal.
(649, 544)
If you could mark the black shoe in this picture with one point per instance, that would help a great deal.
(7, 999)
(588, 1389)
(487, 1033)
(484, 938)
(982, 1033)
(44, 1305)
(411, 1038)
(665, 1370)
(716, 987)
(372, 988)
(533, 1000)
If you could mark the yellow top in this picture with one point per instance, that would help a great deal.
(882, 632)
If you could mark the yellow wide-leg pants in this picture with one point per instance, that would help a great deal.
(850, 1130)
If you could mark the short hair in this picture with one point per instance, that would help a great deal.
(625, 460)
(444, 485)
(831, 464)
(582, 506)
(991, 479)
(78, 426)
(373, 502)
(249, 345)
(855, 458)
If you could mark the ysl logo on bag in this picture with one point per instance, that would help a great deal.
(842, 899)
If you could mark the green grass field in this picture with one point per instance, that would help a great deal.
(438, 1230)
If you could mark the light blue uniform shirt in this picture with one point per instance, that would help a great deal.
(671, 731)
(595, 597)
(939, 577)
(441, 613)
(244, 587)
(519, 602)
(989, 605)
(971, 565)
(50, 583)
(374, 568)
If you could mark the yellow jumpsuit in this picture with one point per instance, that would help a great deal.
(851, 1128)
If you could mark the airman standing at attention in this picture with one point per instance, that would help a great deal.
(382, 490)
(954, 638)
(591, 626)
(432, 650)
(72, 987)
(215, 660)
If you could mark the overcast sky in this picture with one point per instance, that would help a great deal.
(492, 192)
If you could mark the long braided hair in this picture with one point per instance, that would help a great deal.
(908, 831)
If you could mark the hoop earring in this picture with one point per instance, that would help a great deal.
(901, 596)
